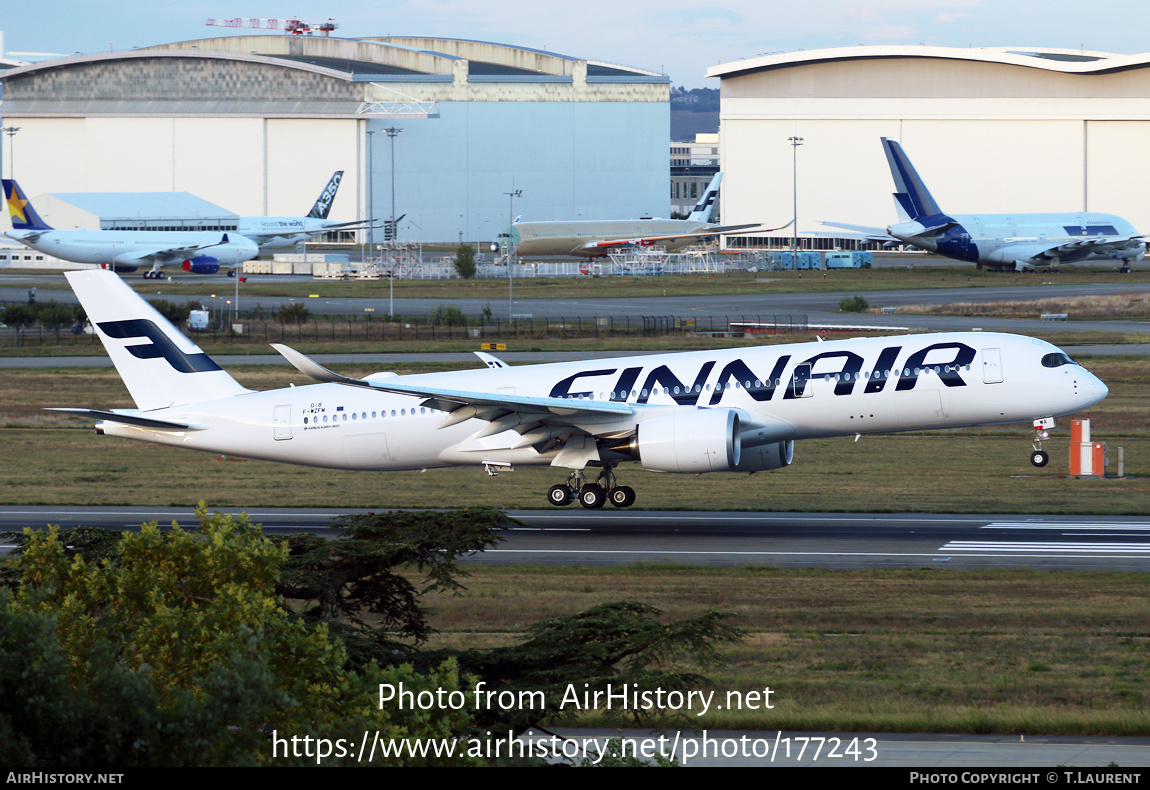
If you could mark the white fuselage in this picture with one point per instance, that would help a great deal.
(111, 247)
(786, 392)
(278, 233)
(569, 238)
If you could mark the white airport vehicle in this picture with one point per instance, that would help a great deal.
(1014, 242)
(598, 238)
(197, 251)
(733, 410)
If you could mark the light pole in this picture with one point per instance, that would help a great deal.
(510, 249)
(795, 143)
(11, 132)
(392, 131)
(370, 196)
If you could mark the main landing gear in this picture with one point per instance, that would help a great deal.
(1038, 456)
(591, 495)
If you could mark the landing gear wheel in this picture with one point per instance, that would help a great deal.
(1125, 270)
(1039, 458)
(623, 496)
(592, 496)
(560, 495)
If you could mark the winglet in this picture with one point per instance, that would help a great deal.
(312, 369)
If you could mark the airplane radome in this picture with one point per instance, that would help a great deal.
(734, 410)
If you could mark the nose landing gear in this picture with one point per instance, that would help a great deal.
(1039, 457)
(591, 495)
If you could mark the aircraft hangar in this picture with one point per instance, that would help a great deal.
(989, 130)
(257, 124)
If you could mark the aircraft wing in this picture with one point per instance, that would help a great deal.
(503, 411)
(863, 232)
(647, 241)
(166, 253)
(1089, 244)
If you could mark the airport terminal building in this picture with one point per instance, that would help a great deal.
(989, 130)
(257, 125)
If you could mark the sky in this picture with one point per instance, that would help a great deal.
(680, 39)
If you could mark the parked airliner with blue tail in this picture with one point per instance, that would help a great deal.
(1014, 242)
(722, 410)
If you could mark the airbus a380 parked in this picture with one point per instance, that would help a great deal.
(1014, 242)
(736, 410)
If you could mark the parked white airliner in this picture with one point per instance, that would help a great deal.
(279, 233)
(1014, 242)
(738, 410)
(199, 251)
(597, 238)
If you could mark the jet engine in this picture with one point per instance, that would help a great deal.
(766, 457)
(704, 440)
(202, 264)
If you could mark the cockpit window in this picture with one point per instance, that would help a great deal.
(1056, 360)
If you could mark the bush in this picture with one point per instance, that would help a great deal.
(853, 304)
(465, 261)
(293, 313)
(448, 315)
(176, 313)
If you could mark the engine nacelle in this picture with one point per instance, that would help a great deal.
(119, 268)
(766, 457)
(703, 440)
(202, 264)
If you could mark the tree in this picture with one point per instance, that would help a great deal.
(611, 644)
(293, 313)
(178, 652)
(853, 304)
(361, 574)
(465, 261)
(176, 313)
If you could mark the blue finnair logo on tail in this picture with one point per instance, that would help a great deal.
(160, 346)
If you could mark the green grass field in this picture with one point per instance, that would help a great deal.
(923, 275)
(860, 651)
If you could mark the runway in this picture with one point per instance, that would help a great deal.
(794, 540)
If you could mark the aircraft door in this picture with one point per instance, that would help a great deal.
(991, 366)
(281, 422)
(801, 382)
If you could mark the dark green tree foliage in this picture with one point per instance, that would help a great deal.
(448, 315)
(293, 313)
(360, 573)
(175, 651)
(615, 643)
(176, 313)
(465, 265)
(853, 304)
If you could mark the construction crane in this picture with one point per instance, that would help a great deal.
(292, 27)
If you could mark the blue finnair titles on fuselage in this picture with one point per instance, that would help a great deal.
(1000, 241)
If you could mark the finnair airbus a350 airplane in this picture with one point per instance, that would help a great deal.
(1014, 242)
(736, 410)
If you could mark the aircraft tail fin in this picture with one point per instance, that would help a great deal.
(911, 193)
(159, 366)
(326, 198)
(24, 217)
(704, 210)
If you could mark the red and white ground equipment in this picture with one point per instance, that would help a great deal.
(1087, 458)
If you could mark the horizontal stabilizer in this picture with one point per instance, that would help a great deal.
(131, 419)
